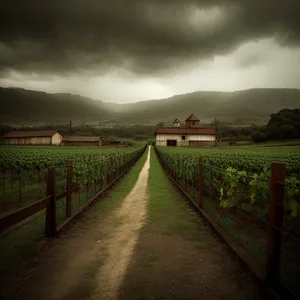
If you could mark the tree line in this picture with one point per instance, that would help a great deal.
(284, 124)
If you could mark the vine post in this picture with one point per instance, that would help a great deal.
(69, 189)
(275, 221)
(51, 209)
(201, 183)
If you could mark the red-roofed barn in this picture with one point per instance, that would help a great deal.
(191, 135)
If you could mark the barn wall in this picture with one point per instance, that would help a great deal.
(28, 141)
(164, 137)
(161, 139)
(56, 139)
(161, 143)
(201, 137)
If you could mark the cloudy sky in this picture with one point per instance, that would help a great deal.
(130, 50)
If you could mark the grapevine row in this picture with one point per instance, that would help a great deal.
(88, 164)
(235, 172)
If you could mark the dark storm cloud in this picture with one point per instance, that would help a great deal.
(141, 36)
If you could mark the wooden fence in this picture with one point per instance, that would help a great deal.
(49, 203)
(270, 273)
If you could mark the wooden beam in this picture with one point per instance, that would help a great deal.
(61, 195)
(23, 213)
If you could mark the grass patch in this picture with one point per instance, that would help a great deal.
(115, 196)
(237, 233)
(171, 211)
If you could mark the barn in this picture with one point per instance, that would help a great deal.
(43, 137)
(192, 135)
(82, 141)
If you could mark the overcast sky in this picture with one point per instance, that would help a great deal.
(131, 50)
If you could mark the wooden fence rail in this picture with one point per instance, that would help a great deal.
(49, 202)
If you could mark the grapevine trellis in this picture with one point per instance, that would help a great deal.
(251, 166)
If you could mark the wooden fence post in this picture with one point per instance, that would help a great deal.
(69, 190)
(51, 209)
(20, 186)
(201, 183)
(275, 222)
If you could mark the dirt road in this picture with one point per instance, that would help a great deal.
(151, 245)
(120, 245)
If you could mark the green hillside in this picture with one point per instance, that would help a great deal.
(242, 107)
(31, 107)
(19, 106)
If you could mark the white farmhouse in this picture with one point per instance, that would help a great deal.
(192, 135)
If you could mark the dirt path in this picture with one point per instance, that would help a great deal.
(178, 256)
(121, 244)
(150, 245)
(90, 261)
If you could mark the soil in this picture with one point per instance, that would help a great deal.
(124, 256)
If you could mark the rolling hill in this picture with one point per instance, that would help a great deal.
(242, 107)
(32, 107)
(19, 106)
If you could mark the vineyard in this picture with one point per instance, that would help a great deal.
(234, 186)
(23, 169)
(26, 160)
(250, 160)
(249, 166)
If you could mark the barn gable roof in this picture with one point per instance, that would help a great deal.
(74, 138)
(174, 130)
(176, 121)
(33, 133)
(192, 117)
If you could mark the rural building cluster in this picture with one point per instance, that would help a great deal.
(192, 135)
(49, 137)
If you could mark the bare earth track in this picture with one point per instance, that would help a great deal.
(150, 246)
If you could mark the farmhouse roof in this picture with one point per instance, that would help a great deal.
(192, 117)
(35, 133)
(174, 130)
(74, 138)
(176, 121)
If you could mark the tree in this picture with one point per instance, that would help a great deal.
(284, 125)
(259, 137)
(287, 131)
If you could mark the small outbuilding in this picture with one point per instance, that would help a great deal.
(36, 137)
(82, 141)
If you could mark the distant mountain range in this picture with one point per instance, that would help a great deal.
(20, 106)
